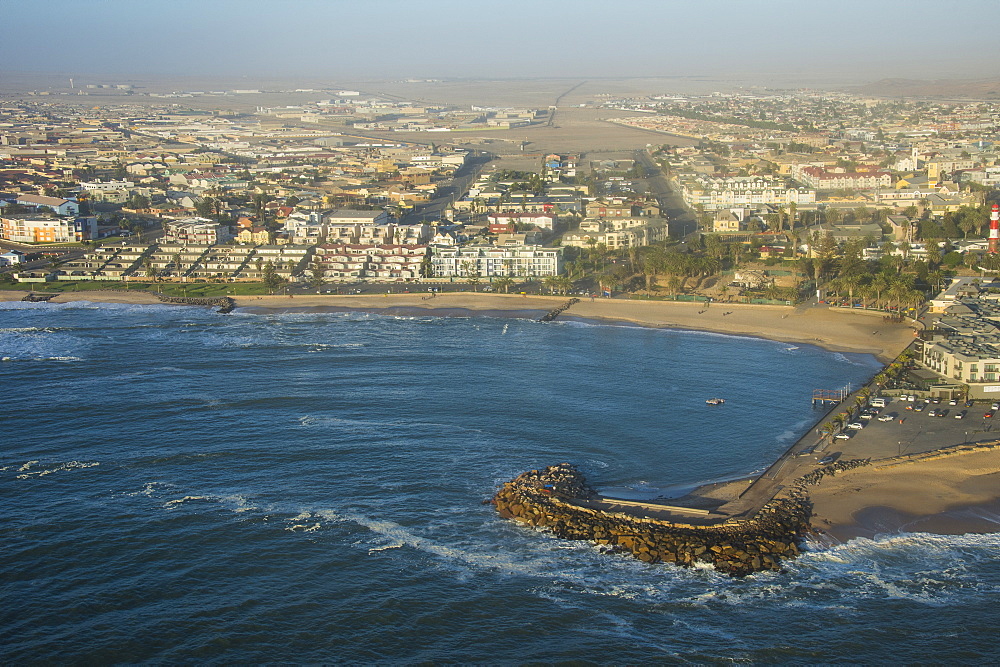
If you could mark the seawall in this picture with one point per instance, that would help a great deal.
(553, 499)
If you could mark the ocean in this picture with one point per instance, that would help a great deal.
(181, 486)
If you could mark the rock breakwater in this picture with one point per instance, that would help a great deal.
(226, 304)
(554, 499)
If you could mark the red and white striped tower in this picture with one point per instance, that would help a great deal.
(995, 230)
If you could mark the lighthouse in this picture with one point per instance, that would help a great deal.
(994, 230)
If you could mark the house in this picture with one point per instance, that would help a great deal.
(355, 217)
(523, 220)
(11, 257)
(254, 235)
(57, 204)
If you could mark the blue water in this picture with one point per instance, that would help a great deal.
(182, 486)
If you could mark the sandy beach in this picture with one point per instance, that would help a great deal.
(833, 329)
(951, 492)
(830, 328)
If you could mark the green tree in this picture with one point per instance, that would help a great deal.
(270, 277)
(317, 277)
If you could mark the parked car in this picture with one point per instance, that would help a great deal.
(829, 458)
(988, 415)
(953, 402)
(918, 407)
(843, 435)
(943, 412)
(995, 406)
(885, 418)
(932, 413)
(857, 426)
(960, 415)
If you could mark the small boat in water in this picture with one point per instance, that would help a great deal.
(715, 401)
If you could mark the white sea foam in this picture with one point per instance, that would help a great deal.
(149, 489)
(185, 499)
(837, 356)
(27, 473)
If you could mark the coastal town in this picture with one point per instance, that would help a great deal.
(778, 197)
(431, 332)
(852, 222)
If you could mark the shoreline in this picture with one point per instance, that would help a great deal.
(951, 491)
(853, 513)
(833, 329)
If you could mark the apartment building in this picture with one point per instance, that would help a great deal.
(196, 231)
(32, 229)
(617, 233)
(348, 261)
(713, 193)
(821, 179)
(487, 261)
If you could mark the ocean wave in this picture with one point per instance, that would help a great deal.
(308, 421)
(185, 499)
(842, 358)
(25, 472)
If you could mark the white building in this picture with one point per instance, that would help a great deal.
(489, 261)
(355, 217)
(381, 262)
(742, 192)
(11, 257)
(196, 231)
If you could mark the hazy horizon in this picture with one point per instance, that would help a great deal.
(848, 41)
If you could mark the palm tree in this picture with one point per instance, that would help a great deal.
(839, 420)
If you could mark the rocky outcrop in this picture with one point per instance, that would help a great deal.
(550, 499)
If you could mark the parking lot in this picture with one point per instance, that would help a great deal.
(913, 430)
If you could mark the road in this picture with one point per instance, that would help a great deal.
(446, 195)
(681, 221)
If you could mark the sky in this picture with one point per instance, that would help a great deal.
(389, 39)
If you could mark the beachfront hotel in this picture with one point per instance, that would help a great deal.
(964, 349)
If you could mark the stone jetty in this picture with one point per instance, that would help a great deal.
(37, 298)
(226, 304)
(555, 312)
(555, 499)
